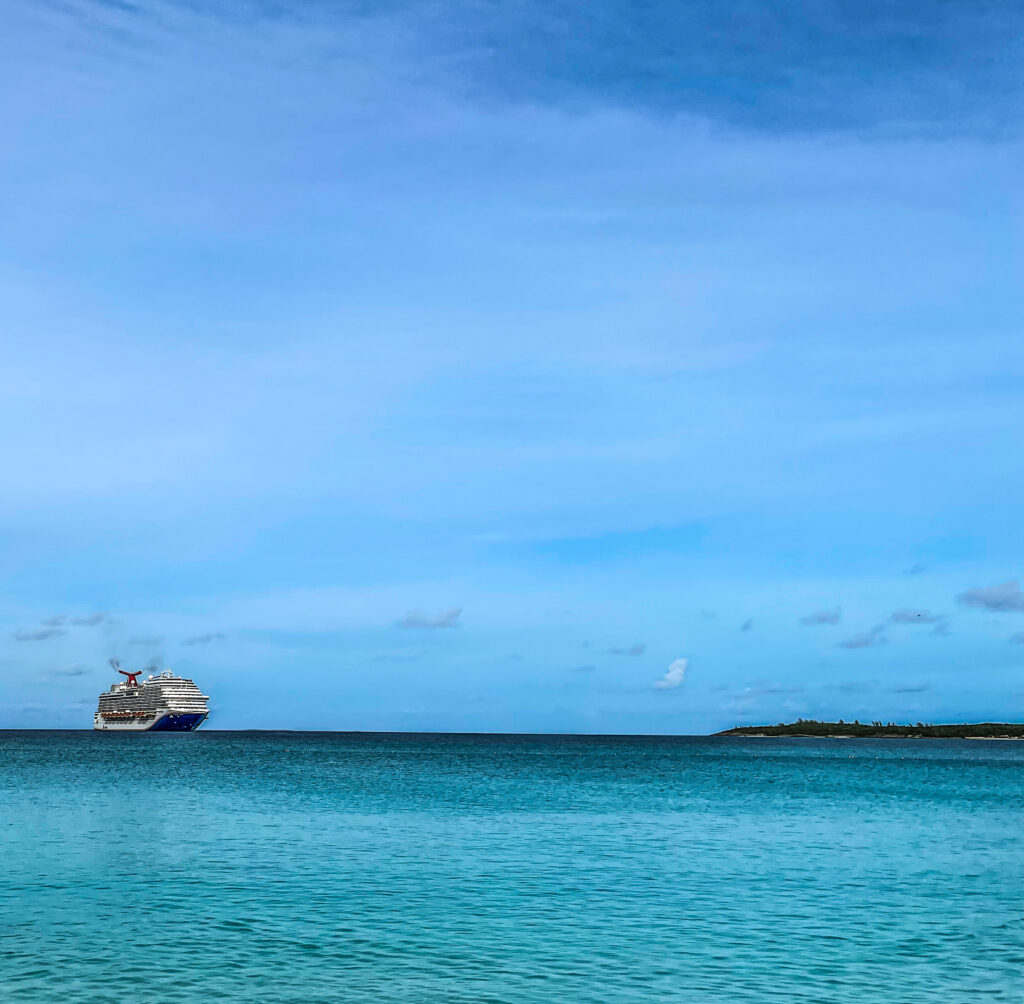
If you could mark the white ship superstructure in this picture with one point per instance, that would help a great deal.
(161, 703)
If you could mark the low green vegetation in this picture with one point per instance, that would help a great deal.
(857, 729)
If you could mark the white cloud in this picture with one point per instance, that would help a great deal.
(673, 676)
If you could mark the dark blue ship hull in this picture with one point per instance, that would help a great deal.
(178, 723)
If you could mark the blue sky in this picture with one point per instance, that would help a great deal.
(464, 366)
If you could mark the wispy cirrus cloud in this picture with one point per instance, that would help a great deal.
(417, 621)
(817, 617)
(1006, 597)
(785, 68)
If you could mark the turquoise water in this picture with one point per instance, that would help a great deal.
(284, 867)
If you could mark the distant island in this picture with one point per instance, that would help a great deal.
(879, 730)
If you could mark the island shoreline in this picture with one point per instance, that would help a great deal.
(811, 729)
(806, 735)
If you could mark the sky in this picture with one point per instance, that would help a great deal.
(518, 367)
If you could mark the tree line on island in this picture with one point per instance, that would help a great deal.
(857, 729)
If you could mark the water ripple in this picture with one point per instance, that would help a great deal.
(335, 868)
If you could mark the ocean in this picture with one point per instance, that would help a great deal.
(271, 868)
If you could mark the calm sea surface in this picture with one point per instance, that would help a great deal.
(316, 867)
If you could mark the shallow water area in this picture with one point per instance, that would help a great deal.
(327, 867)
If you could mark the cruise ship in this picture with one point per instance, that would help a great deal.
(162, 703)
